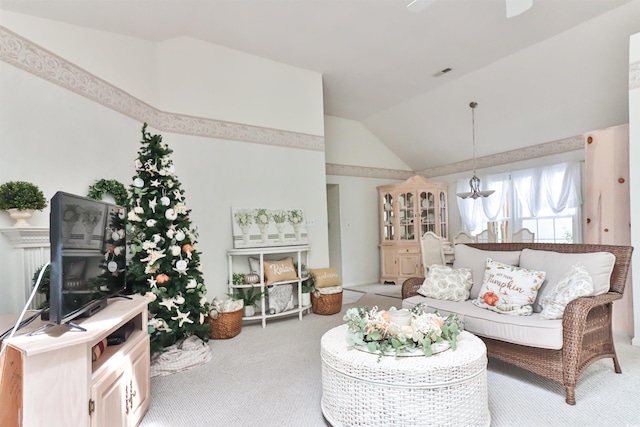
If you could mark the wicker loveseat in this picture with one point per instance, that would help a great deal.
(586, 334)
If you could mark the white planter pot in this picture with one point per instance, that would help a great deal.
(249, 311)
(20, 216)
(306, 299)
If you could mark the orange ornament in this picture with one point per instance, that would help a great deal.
(162, 278)
(187, 248)
(490, 298)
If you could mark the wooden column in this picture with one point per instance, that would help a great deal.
(607, 210)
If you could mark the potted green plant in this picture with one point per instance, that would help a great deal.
(307, 288)
(250, 297)
(20, 199)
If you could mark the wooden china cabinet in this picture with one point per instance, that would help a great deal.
(407, 211)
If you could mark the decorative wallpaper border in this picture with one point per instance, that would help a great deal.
(34, 59)
(532, 152)
(541, 150)
(367, 172)
(634, 75)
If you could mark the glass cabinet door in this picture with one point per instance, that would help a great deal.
(427, 212)
(387, 217)
(406, 212)
(443, 216)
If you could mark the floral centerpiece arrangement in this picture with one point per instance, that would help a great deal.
(374, 330)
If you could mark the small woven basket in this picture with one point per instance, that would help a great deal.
(326, 303)
(225, 325)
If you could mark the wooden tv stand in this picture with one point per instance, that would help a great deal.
(49, 379)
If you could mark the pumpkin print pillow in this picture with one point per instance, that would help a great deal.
(507, 289)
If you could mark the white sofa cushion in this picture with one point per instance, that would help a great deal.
(556, 264)
(475, 259)
(532, 331)
(444, 282)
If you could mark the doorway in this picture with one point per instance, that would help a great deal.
(333, 217)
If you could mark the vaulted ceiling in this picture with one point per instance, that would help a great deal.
(555, 71)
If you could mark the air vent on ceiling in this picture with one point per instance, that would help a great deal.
(441, 72)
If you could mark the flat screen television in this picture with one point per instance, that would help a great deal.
(88, 256)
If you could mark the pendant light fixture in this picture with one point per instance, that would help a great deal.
(474, 182)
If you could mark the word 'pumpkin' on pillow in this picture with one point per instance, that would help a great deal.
(446, 283)
(507, 289)
(279, 271)
(325, 277)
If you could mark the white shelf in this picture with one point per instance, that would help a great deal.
(298, 251)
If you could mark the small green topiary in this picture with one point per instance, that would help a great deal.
(21, 195)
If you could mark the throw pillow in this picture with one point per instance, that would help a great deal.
(575, 283)
(445, 283)
(324, 277)
(598, 264)
(254, 265)
(280, 298)
(475, 259)
(509, 290)
(279, 271)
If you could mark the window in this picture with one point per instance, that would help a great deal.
(546, 200)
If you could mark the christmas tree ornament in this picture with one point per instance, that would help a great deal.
(121, 213)
(138, 164)
(180, 235)
(192, 284)
(151, 222)
(164, 201)
(162, 278)
(187, 248)
(182, 317)
(138, 182)
(115, 236)
(112, 266)
(152, 204)
(181, 265)
(170, 233)
(175, 250)
(170, 214)
(169, 303)
(155, 183)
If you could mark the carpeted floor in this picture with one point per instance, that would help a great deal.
(272, 377)
(393, 291)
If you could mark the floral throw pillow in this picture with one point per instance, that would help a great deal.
(508, 289)
(446, 283)
(577, 282)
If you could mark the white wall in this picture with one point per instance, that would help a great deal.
(62, 141)
(634, 176)
(125, 62)
(348, 142)
(205, 80)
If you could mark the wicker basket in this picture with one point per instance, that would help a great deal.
(326, 303)
(225, 325)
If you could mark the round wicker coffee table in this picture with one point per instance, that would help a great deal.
(446, 389)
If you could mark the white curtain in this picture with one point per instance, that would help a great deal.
(543, 191)
(548, 189)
